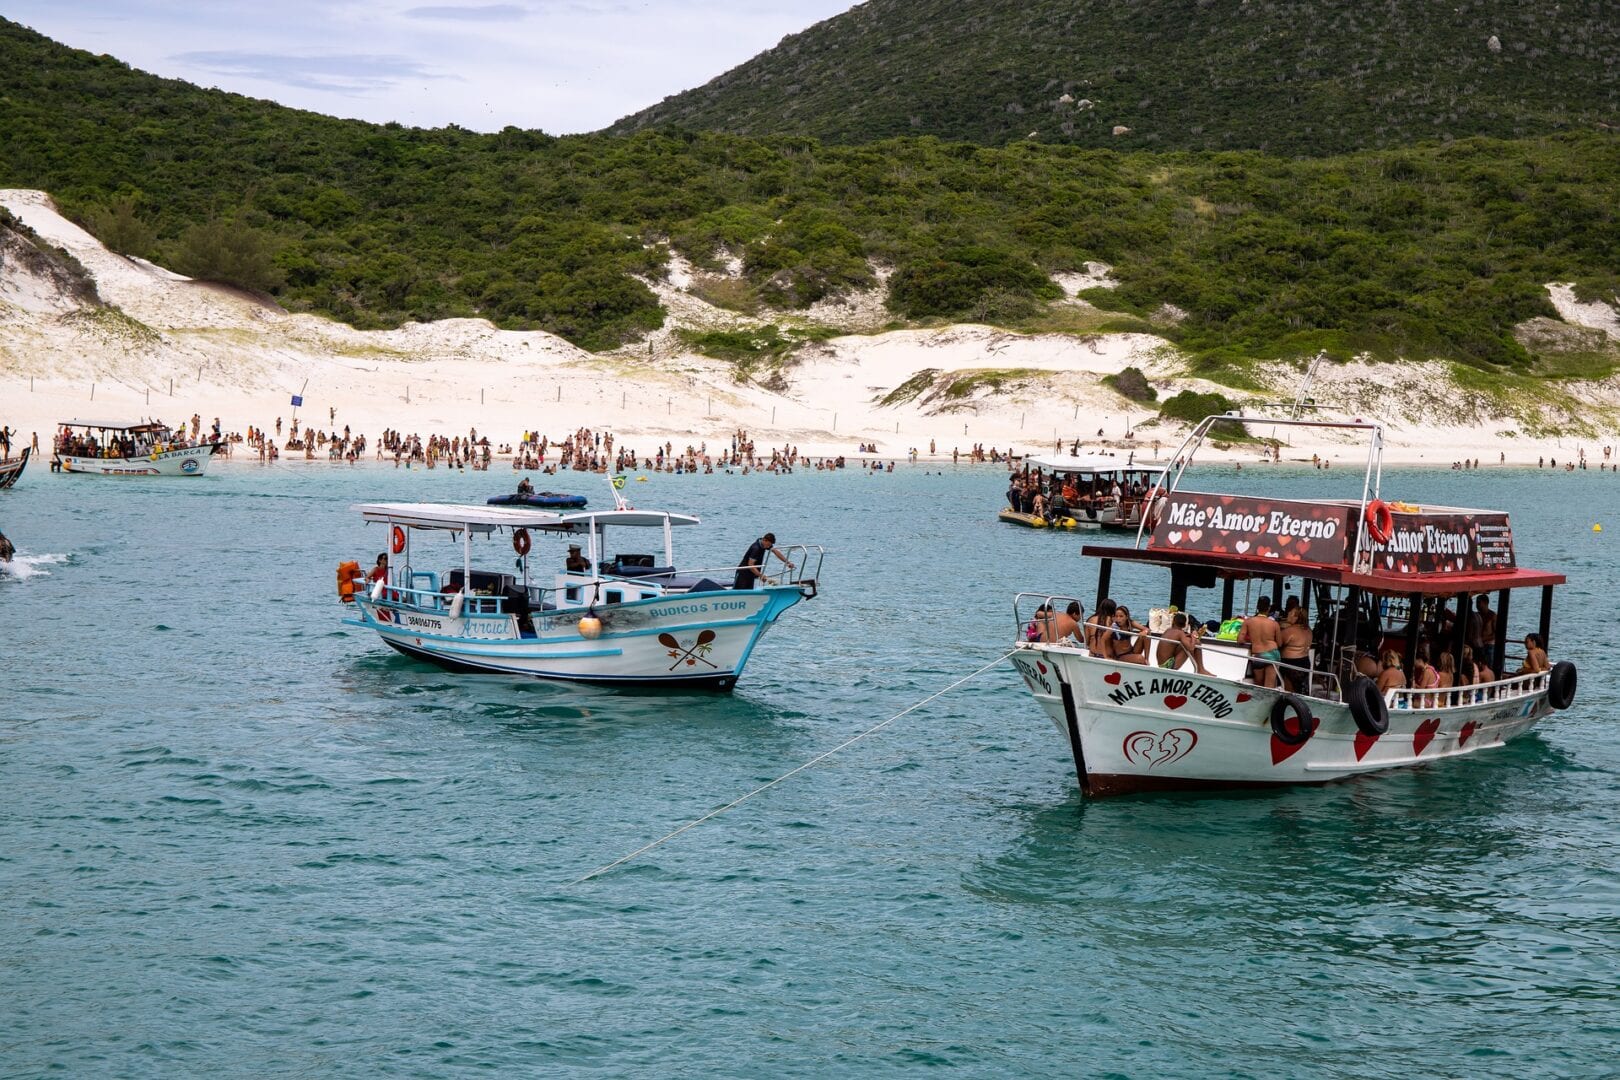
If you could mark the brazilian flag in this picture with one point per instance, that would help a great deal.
(618, 483)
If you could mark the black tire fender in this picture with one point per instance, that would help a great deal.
(1288, 705)
(1367, 707)
(1561, 685)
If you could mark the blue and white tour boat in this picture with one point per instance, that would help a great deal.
(629, 617)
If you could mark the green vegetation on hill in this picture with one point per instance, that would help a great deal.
(1435, 251)
(1284, 76)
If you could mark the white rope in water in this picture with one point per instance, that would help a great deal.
(813, 761)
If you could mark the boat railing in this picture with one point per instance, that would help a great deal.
(1027, 620)
(1457, 697)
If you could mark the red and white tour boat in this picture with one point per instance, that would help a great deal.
(1374, 577)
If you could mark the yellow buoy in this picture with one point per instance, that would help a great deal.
(1597, 528)
(590, 627)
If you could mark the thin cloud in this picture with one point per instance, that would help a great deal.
(483, 13)
(344, 74)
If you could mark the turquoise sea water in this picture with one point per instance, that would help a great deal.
(239, 839)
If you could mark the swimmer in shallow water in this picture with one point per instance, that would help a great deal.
(6, 550)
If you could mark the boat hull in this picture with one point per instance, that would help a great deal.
(11, 469)
(695, 640)
(1133, 728)
(186, 461)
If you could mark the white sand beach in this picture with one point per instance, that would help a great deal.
(168, 347)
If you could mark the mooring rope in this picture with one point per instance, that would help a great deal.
(813, 761)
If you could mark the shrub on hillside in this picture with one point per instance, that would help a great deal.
(1193, 408)
(1132, 384)
(966, 279)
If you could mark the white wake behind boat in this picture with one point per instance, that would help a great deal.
(629, 618)
(108, 448)
(1374, 578)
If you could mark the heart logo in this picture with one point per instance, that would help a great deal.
(1195, 535)
(1112, 678)
(1424, 735)
(1241, 698)
(1175, 536)
(1364, 743)
(1241, 547)
(1041, 666)
(1152, 749)
(1284, 541)
(1466, 733)
(1389, 562)
(1281, 751)
(1174, 701)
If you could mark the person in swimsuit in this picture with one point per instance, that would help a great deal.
(1126, 649)
(1392, 677)
(1261, 634)
(1294, 645)
(1535, 657)
(1099, 630)
(1177, 643)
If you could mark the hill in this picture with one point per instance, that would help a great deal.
(1437, 252)
(1283, 76)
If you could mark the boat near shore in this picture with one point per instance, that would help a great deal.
(11, 468)
(110, 448)
(1374, 577)
(627, 618)
(1109, 493)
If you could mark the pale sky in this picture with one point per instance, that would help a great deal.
(561, 65)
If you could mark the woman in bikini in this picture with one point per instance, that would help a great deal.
(1124, 648)
(1294, 643)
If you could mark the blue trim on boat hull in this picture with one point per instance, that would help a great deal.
(723, 681)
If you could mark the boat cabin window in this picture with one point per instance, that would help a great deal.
(614, 596)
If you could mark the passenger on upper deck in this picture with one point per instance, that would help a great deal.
(1261, 634)
(1053, 625)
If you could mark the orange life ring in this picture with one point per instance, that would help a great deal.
(1380, 521)
(520, 541)
(399, 540)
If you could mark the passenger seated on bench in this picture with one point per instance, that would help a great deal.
(1056, 625)
(1099, 630)
(1178, 643)
(1125, 649)
(1535, 657)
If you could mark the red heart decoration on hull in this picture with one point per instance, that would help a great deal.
(1364, 743)
(1241, 698)
(1281, 751)
(1466, 733)
(1112, 678)
(1174, 701)
(1424, 735)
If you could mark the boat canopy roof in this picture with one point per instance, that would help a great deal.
(116, 425)
(1093, 463)
(484, 518)
(1393, 584)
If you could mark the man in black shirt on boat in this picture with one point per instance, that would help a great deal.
(752, 566)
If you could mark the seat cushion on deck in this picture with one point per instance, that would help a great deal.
(707, 585)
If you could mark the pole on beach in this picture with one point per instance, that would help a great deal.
(149, 395)
(559, 391)
(835, 422)
(171, 386)
(92, 391)
(773, 414)
(624, 398)
(480, 395)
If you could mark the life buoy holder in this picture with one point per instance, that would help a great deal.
(1380, 521)
(399, 540)
(1367, 707)
(1289, 707)
(520, 541)
(1561, 685)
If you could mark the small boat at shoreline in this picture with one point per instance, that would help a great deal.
(629, 618)
(1378, 576)
(1102, 492)
(108, 448)
(11, 468)
(545, 500)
